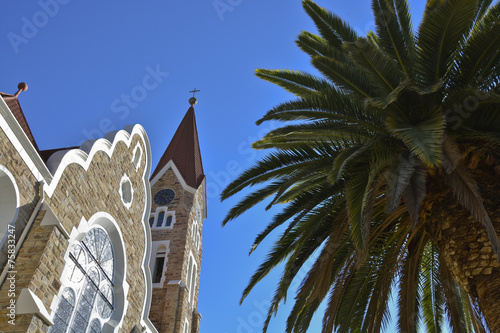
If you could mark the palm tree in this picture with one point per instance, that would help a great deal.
(388, 170)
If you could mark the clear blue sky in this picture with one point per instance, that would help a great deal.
(94, 66)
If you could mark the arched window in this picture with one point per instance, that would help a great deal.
(196, 228)
(161, 217)
(158, 262)
(88, 301)
(193, 283)
(136, 162)
(9, 203)
(169, 221)
(159, 265)
(191, 279)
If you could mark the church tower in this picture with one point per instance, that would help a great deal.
(178, 209)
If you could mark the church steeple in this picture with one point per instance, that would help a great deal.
(184, 151)
(176, 223)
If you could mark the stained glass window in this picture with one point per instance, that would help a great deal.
(88, 300)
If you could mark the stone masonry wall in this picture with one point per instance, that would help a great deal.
(78, 194)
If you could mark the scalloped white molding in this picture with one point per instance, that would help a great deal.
(51, 173)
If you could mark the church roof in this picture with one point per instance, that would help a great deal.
(14, 106)
(184, 151)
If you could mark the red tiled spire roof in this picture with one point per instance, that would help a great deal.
(14, 106)
(184, 151)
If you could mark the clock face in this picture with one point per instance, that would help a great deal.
(164, 196)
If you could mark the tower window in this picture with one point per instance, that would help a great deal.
(161, 216)
(169, 221)
(162, 219)
(158, 263)
(191, 279)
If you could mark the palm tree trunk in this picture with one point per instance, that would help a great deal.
(463, 241)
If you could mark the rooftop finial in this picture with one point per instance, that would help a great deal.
(22, 87)
(193, 99)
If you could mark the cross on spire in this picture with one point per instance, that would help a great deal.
(194, 91)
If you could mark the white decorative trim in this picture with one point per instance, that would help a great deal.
(179, 282)
(50, 219)
(17, 203)
(136, 159)
(29, 303)
(83, 156)
(126, 191)
(169, 165)
(155, 245)
(23, 145)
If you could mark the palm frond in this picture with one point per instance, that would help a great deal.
(395, 36)
(444, 26)
(331, 27)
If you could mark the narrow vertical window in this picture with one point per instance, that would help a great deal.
(151, 221)
(158, 269)
(169, 221)
(161, 217)
(193, 282)
(159, 264)
(190, 272)
(64, 311)
(137, 157)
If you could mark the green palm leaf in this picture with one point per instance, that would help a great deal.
(392, 123)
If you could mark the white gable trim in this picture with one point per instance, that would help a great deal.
(171, 165)
(23, 145)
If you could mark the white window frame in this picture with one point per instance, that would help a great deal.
(104, 221)
(196, 227)
(191, 279)
(157, 213)
(137, 156)
(126, 189)
(155, 247)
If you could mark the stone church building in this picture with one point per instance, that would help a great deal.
(90, 242)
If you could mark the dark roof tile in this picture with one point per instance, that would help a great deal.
(184, 151)
(14, 106)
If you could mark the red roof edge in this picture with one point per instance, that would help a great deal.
(184, 151)
(14, 106)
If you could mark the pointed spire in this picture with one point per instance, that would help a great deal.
(184, 151)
